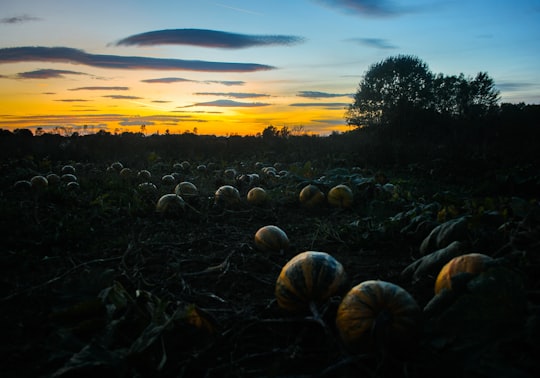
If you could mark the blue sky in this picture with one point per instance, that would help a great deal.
(243, 64)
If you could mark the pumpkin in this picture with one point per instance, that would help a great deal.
(309, 278)
(271, 239)
(144, 175)
(126, 173)
(168, 179)
(378, 313)
(39, 182)
(117, 166)
(22, 185)
(472, 263)
(68, 177)
(227, 195)
(67, 169)
(186, 189)
(257, 196)
(340, 196)
(53, 179)
(311, 196)
(147, 189)
(170, 203)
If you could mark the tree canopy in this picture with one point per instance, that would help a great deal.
(400, 88)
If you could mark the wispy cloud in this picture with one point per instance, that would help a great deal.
(378, 43)
(514, 86)
(376, 8)
(18, 19)
(46, 74)
(207, 38)
(70, 55)
(169, 80)
(121, 97)
(316, 94)
(326, 105)
(229, 104)
(72, 100)
(242, 10)
(99, 89)
(233, 94)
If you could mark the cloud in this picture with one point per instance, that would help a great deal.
(229, 104)
(17, 19)
(328, 105)
(376, 8)
(233, 94)
(514, 86)
(75, 56)
(72, 100)
(121, 97)
(378, 43)
(207, 38)
(316, 94)
(99, 89)
(168, 80)
(46, 74)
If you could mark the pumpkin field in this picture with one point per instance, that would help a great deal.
(154, 262)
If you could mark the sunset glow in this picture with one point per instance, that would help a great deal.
(236, 67)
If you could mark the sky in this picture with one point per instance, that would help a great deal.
(235, 67)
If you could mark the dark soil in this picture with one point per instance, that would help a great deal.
(95, 282)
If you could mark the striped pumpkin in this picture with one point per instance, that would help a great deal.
(311, 196)
(377, 313)
(340, 196)
(271, 239)
(472, 263)
(310, 277)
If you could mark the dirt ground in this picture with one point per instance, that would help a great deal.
(95, 282)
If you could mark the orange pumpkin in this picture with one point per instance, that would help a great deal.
(310, 277)
(311, 196)
(257, 196)
(472, 263)
(377, 313)
(271, 239)
(340, 196)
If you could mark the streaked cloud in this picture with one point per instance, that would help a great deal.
(229, 104)
(75, 56)
(374, 8)
(233, 94)
(170, 80)
(378, 43)
(72, 100)
(46, 74)
(514, 86)
(99, 89)
(122, 97)
(316, 94)
(18, 19)
(207, 38)
(167, 80)
(327, 105)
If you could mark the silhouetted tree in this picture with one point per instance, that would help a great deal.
(391, 91)
(401, 90)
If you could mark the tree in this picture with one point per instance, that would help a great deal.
(399, 90)
(391, 91)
